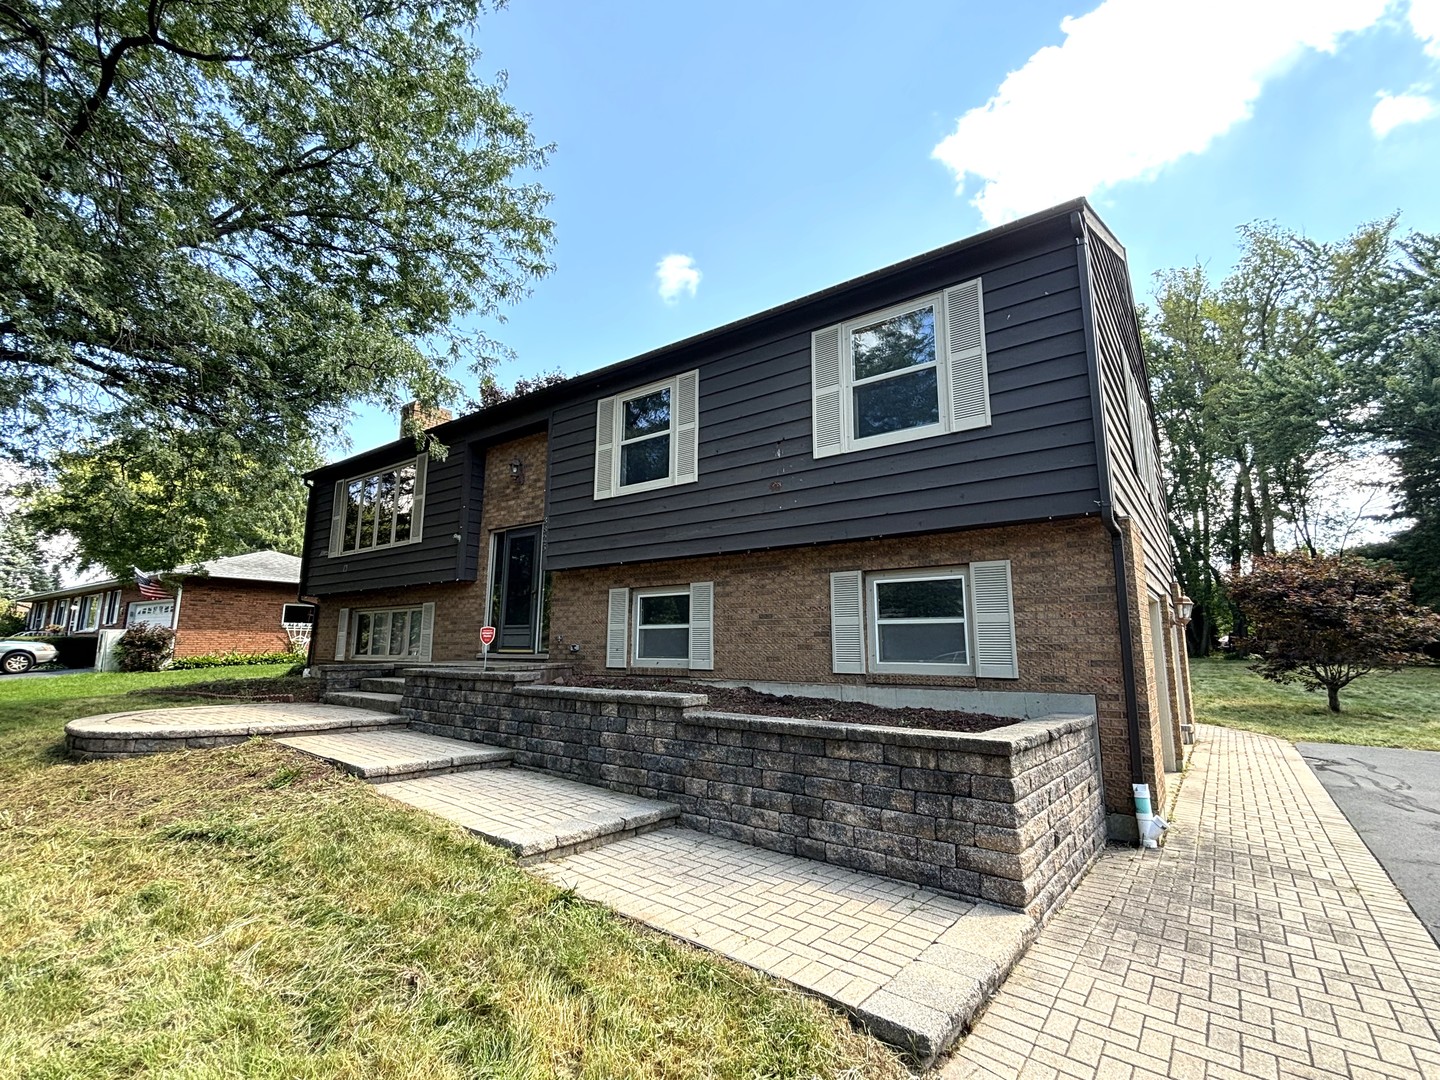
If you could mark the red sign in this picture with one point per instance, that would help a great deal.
(487, 635)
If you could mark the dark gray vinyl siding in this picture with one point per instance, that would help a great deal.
(435, 558)
(1117, 334)
(759, 485)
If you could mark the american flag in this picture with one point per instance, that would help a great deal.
(150, 586)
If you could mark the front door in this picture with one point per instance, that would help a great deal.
(517, 588)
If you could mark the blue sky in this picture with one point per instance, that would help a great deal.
(761, 151)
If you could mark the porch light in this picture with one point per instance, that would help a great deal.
(517, 471)
(1183, 607)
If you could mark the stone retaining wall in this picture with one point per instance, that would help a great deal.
(1011, 816)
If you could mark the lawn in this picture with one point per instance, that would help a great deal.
(248, 911)
(1400, 709)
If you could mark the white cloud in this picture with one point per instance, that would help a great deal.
(1135, 85)
(676, 274)
(1392, 110)
(1425, 23)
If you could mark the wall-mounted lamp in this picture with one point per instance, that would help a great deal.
(1183, 609)
(517, 471)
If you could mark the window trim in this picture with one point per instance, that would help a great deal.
(416, 610)
(848, 382)
(339, 515)
(639, 596)
(872, 622)
(684, 432)
(670, 386)
(87, 615)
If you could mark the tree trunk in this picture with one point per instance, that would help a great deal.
(1334, 692)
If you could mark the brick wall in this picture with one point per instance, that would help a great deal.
(224, 616)
(460, 608)
(772, 619)
(1011, 816)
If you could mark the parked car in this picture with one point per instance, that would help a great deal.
(18, 656)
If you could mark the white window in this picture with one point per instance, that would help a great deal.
(89, 616)
(673, 627)
(380, 510)
(396, 633)
(1142, 441)
(112, 607)
(956, 620)
(912, 371)
(648, 438)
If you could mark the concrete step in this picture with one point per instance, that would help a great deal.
(535, 815)
(394, 755)
(361, 699)
(383, 686)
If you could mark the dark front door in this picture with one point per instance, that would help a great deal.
(518, 592)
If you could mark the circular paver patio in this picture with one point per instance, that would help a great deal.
(150, 731)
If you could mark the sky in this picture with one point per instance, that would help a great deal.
(713, 160)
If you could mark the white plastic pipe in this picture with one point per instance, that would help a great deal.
(1143, 815)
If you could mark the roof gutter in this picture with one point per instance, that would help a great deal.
(1107, 503)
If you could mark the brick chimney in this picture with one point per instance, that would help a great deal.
(415, 418)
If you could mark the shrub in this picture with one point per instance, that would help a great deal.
(237, 659)
(145, 648)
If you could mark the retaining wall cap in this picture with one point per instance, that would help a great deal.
(623, 697)
(1004, 741)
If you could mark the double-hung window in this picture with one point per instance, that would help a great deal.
(662, 628)
(648, 437)
(89, 616)
(911, 371)
(388, 633)
(383, 509)
(673, 627)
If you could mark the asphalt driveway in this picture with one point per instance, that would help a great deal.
(1392, 798)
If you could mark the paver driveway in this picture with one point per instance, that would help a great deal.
(1263, 940)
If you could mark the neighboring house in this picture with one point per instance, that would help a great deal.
(941, 475)
(234, 604)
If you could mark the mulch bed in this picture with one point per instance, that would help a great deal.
(283, 690)
(744, 700)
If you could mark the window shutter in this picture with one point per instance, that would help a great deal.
(687, 427)
(427, 632)
(617, 628)
(847, 624)
(342, 635)
(994, 621)
(969, 380)
(605, 449)
(702, 628)
(337, 518)
(417, 508)
(827, 391)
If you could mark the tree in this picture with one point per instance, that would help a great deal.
(234, 218)
(160, 500)
(23, 566)
(1325, 621)
(492, 393)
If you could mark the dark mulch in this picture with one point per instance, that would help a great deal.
(744, 700)
(282, 690)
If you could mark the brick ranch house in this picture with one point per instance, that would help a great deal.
(234, 604)
(935, 484)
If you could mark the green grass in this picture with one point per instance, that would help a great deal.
(1400, 709)
(251, 912)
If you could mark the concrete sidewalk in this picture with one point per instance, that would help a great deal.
(1264, 940)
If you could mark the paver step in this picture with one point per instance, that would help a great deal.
(361, 699)
(389, 685)
(535, 815)
(394, 755)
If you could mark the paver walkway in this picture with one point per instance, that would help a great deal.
(1263, 940)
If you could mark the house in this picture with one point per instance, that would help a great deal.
(234, 604)
(936, 483)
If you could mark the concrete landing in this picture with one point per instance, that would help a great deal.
(913, 966)
(397, 755)
(535, 815)
(152, 731)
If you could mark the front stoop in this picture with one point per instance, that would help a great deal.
(363, 699)
(393, 755)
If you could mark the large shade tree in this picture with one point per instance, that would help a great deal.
(225, 221)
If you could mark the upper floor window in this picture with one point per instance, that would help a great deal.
(910, 371)
(379, 510)
(648, 437)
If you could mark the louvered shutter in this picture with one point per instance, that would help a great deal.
(827, 392)
(617, 627)
(342, 634)
(427, 633)
(687, 427)
(337, 518)
(417, 508)
(605, 448)
(994, 615)
(702, 626)
(847, 623)
(965, 336)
